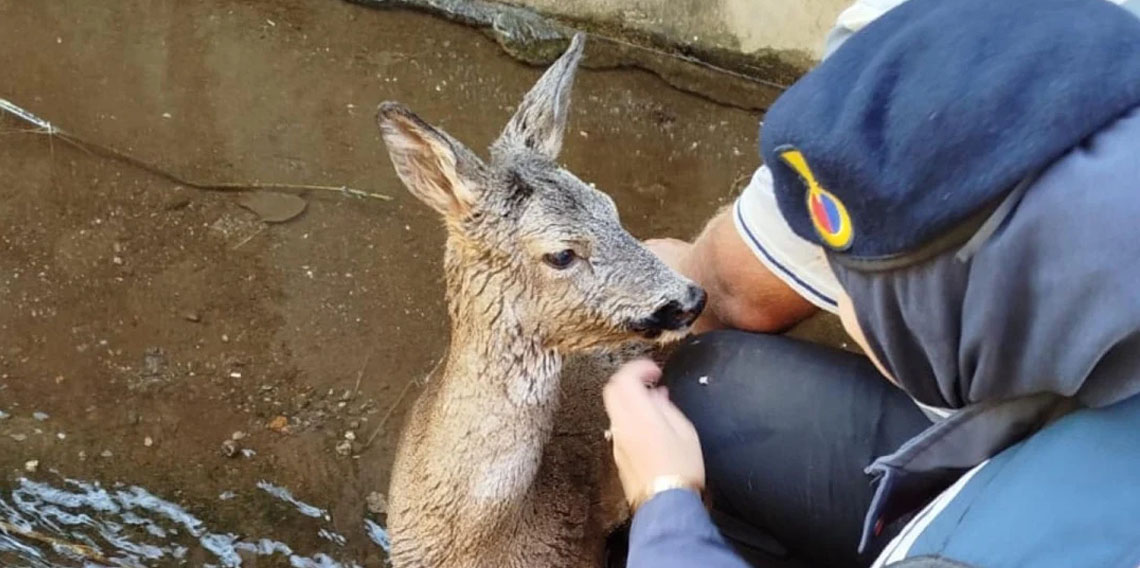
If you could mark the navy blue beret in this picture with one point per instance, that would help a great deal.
(935, 111)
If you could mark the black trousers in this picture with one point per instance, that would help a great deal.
(787, 428)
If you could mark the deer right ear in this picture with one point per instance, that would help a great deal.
(435, 167)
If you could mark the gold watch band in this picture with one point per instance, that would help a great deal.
(663, 483)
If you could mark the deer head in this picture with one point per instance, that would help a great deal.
(522, 228)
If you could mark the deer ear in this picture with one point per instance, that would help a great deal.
(435, 167)
(540, 121)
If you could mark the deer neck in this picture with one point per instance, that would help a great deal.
(500, 387)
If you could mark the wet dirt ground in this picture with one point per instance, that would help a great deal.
(144, 326)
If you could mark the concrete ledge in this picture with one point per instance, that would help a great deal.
(720, 49)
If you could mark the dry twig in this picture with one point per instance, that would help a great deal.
(45, 127)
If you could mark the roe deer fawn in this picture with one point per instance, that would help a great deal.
(502, 462)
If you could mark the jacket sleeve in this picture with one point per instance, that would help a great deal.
(673, 530)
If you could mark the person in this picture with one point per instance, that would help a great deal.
(957, 181)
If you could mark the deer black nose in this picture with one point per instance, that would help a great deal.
(674, 314)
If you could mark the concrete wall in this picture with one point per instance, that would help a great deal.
(793, 28)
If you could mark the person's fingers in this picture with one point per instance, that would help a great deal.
(626, 399)
(675, 419)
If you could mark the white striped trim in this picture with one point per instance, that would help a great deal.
(900, 546)
(802, 265)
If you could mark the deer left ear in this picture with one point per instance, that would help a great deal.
(540, 121)
(435, 167)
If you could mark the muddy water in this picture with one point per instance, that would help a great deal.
(183, 384)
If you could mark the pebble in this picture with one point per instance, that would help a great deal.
(192, 317)
(354, 425)
(82, 455)
(4, 415)
(703, 380)
(31, 466)
(148, 441)
(18, 437)
(41, 416)
(377, 503)
(229, 448)
(279, 424)
(107, 454)
(344, 447)
(239, 435)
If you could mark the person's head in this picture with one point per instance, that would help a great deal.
(973, 178)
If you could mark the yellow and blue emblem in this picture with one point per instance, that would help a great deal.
(827, 212)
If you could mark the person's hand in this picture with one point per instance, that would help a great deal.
(652, 440)
(674, 253)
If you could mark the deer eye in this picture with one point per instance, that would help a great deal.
(560, 260)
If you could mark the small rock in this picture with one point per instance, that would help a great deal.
(31, 466)
(274, 207)
(176, 202)
(41, 416)
(82, 455)
(247, 453)
(225, 338)
(61, 435)
(235, 375)
(229, 448)
(4, 415)
(192, 317)
(154, 359)
(107, 454)
(350, 436)
(118, 260)
(148, 441)
(703, 380)
(377, 503)
(279, 424)
(344, 447)
(227, 495)
(239, 435)
(18, 437)
(354, 425)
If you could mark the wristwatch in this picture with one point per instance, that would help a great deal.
(663, 483)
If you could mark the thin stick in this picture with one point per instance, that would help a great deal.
(111, 153)
(360, 375)
(249, 238)
(80, 549)
(400, 399)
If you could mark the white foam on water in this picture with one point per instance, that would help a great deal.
(82, 524)
(284, 495)
(379, 535)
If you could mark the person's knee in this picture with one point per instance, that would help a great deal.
(734, 379)
(713, 373)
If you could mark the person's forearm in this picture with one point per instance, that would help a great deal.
(743, 293)
(673, 530)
